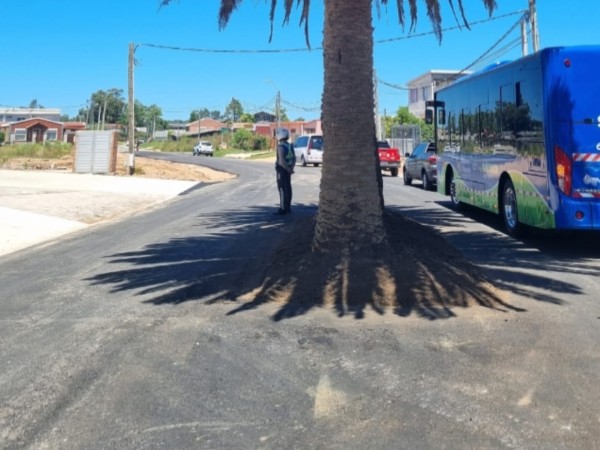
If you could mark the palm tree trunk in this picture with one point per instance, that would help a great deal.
(350, 203)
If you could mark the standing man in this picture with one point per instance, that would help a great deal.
(284, 167)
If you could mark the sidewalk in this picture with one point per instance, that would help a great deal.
(38, 206)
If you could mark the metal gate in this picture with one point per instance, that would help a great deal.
(95, 152)
(405, 138)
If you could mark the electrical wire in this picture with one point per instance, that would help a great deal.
(296, 50)
(485, 57)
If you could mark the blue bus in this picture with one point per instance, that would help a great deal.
(522, 139)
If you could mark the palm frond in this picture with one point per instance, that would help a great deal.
(227, 8)
(434, 13)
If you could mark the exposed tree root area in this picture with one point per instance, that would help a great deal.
(416, 273)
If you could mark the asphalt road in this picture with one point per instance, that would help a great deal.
(131, 335)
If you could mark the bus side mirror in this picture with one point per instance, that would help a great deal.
(428, 116)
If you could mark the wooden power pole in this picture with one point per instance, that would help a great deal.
(131, 116)
(535, 37)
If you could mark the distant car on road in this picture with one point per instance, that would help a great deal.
(309, 149)
(203, 148)
(421, 164)
(389, 157)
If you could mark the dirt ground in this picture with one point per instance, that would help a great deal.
(144, 167)
(416, 273)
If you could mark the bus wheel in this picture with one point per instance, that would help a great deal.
(456, 203)
(509, 208)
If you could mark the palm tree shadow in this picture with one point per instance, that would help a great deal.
(252, 258)
(417, 272)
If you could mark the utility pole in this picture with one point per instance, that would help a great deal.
(278, 108)
(131, 116)
(535, 37)
(104, 112)
(524, 44)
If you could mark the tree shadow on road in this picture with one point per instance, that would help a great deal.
(260, 259)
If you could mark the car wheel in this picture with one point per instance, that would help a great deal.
(456, 203)
(316, 164)
(407, 178)
(510, 213)
(303, 161)
(394, 172)
(425, 180)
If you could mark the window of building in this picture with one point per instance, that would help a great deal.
(414, 95)
(51, 134)
(20, 135)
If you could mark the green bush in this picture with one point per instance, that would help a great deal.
(260, 143)
(241, 140)
(246, 140)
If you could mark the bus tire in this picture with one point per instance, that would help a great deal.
(457, 205)
(509, 209)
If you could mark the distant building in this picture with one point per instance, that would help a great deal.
(204, 126)
(422, 88)
(33, 130)
(296, 128)
(8, 115)
(70, 129)
(36, 125)
(264, 117)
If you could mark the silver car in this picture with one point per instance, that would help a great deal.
(309, 149)
(203, 148)
(421, 164)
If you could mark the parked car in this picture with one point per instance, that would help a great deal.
(421, 164)
(389, 157)
(309, 149)
(203, 148)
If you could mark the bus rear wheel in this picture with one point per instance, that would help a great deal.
(509, 211)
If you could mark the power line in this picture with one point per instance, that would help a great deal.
(297, 50)
(516, 24)
(486, 56)
(444, 30)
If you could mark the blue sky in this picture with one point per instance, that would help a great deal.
(60, 52)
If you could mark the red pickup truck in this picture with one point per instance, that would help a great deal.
(389, 158)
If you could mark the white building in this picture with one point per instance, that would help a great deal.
(10, 115)
(422, 88)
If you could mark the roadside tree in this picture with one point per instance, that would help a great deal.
(351, 200)
(234, 110)
(351, 249)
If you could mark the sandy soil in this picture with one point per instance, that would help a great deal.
(144, 167)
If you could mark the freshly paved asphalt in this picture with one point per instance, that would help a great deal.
(41, 206)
